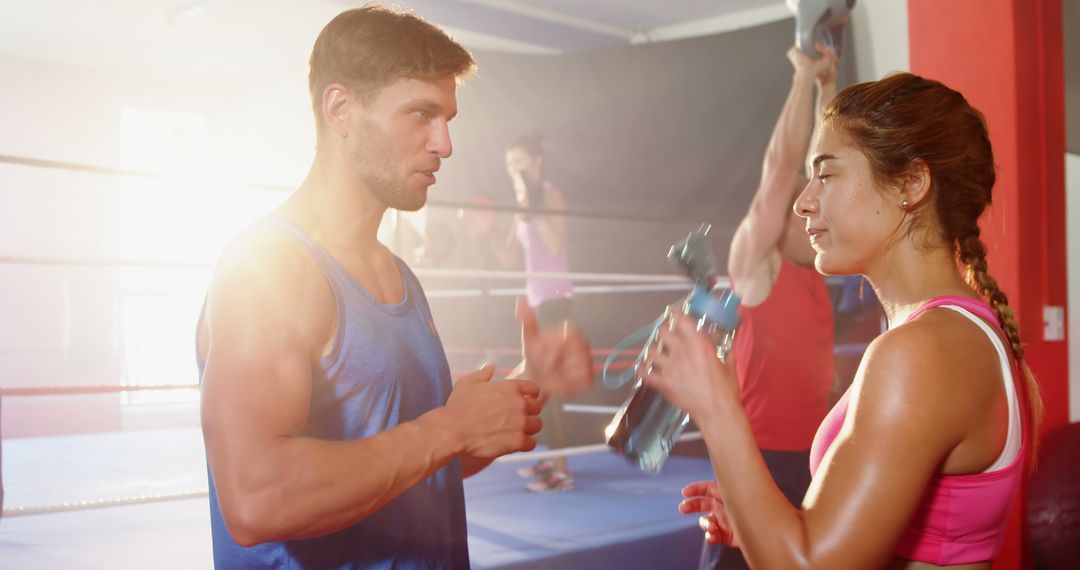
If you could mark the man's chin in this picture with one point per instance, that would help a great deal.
(412, 202)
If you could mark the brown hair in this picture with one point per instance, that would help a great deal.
(532, 144)
(905, 118)
(370, 47)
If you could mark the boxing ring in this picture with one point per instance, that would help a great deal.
(138, 499)
(159, 515)
(126, 498)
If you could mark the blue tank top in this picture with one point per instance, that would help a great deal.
(387, 367)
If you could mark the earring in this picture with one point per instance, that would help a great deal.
(904, 203)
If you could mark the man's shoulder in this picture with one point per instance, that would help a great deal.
(260, 279)
(264, 247)
(265, 260)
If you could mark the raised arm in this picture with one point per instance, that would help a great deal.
(269, 316)
(826, 90)
(753, 259)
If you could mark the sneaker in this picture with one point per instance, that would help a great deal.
(539, 469)
(553, 481)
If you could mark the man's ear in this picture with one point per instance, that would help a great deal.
(336, 109)
(916, 184)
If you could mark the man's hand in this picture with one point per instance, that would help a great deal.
(826, 67)
(822, 69)
(494, 419)
(704, 497)
(559, 359)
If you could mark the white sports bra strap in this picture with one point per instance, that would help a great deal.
(1012, 441)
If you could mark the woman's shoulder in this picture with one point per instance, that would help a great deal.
(914, 351)
(937, 361)
(937, 354)
(937, 340)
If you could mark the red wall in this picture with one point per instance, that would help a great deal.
(1006, 57)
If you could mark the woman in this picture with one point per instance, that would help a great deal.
(918, 463)
(542, 240)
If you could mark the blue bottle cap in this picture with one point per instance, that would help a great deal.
(721, 310)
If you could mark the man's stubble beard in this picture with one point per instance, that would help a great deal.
(380, 171)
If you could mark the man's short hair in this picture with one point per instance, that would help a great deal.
(370, 47)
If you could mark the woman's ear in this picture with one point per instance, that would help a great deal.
(915, 185)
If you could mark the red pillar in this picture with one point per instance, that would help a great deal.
(1006, 57)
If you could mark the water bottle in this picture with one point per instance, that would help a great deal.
(647, 427)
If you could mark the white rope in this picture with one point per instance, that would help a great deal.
(419, 271)
(199, 494)
(584, 409)
(578, 290)
(579, 277)
(571, 451)
(102, 503)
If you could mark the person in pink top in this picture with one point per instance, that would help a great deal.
(541, 240)
(918, 464)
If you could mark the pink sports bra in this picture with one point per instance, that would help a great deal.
(961, 518)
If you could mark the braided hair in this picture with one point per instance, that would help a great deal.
(905, 118)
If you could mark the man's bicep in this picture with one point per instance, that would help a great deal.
(762, 227)
(257, 379)
(255, 394)
(742, 251)
(750, 265)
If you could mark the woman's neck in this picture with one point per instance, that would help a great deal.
(910, 276)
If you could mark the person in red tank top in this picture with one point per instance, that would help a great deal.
(919, 465)
(784, 347)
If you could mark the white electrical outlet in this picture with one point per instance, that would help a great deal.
(1053, 323)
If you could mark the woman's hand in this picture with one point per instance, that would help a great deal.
(704, 497)
(682, 365)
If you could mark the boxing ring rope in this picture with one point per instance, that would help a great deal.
(103, 503)
(429, 272)
(82, 390)
(641, 283)
(202, 493)
(86, 168)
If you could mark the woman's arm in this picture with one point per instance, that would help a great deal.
(909, 410)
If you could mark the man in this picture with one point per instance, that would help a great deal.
(334, 437)
(784, 346)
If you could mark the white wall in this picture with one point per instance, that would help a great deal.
(64, 325)
(880, 33)
(1072, 252)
